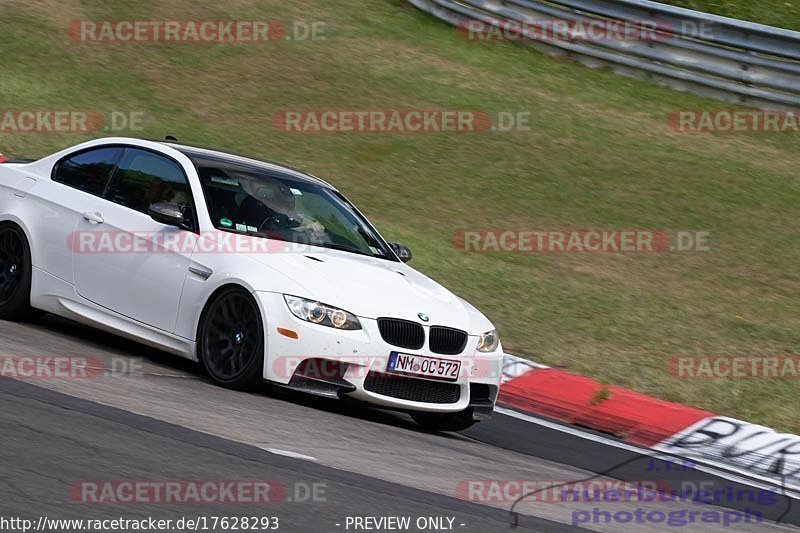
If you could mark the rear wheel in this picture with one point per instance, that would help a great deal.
(445, 421)
(15, 275)
(231, 340)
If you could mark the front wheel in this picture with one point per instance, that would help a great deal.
(231, 340)
(458, 421)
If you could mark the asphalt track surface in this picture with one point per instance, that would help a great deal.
(158, 418)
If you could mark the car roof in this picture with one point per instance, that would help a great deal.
(207, 156)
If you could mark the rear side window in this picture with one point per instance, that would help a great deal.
(89, 170)
(144, 178)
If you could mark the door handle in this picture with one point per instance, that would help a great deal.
(93, 217)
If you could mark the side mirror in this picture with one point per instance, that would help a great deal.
(403, 252)
(168, 213)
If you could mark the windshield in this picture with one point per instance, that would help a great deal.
(255, 201)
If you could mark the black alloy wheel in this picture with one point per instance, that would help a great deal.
(232, 340)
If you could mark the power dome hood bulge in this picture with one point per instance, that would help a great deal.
(372, 288)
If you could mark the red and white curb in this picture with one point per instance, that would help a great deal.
(700, 436)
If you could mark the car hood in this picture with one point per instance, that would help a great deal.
(371, 288)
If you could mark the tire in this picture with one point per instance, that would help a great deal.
(231, 340)
(15, 275)
(445, 421)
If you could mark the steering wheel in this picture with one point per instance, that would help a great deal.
(277, 219)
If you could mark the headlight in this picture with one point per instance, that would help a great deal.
(488, 341)
(322, 314)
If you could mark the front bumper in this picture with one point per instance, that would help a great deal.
(362, 356)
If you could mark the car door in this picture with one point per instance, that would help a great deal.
(130, 263)
(78, 180)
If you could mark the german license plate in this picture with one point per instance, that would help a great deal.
(428, 367)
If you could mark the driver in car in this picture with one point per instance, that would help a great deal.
(272, 205)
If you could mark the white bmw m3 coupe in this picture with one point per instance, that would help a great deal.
(259, 272)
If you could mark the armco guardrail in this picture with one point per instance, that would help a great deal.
(724, 58)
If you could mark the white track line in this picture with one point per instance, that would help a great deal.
(289, 453)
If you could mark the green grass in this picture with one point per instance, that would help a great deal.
(781, 13)
(600, 155)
